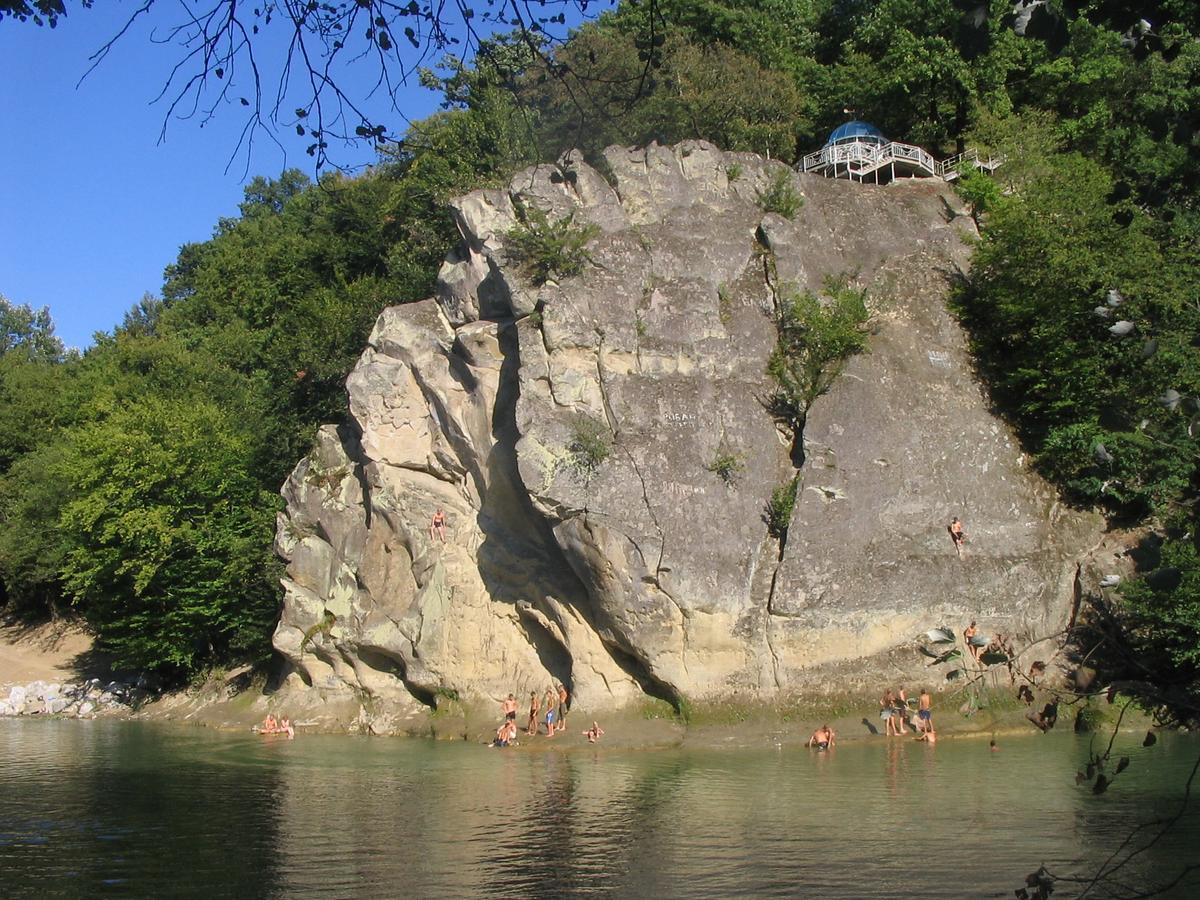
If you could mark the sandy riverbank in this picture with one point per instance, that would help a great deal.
(61, 651)
(57, 650)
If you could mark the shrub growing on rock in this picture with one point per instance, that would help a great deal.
(589, 447)
(781, 196)
(726, 466)
(550, 248)
(816, 337)
(778, 513)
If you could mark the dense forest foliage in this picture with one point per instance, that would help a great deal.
(138, 479)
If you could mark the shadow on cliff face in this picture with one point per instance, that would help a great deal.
(519, 559)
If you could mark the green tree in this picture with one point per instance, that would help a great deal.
(815, 338)
(166, 535)
(28, 331)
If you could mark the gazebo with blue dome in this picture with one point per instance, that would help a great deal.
(863, 132)
(860, 151)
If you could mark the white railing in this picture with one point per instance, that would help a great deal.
(861, 157)
(950, 168)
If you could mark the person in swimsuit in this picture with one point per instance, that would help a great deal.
(269, 725)
(549, 700)
(957, 535)
(593, 733)
(562, 706)
(969, 632)
(925, 712)
(437, 525)
(901, 711)
(285, 727)
(509, 707)
(886, 709)
(822, 738)
(534, 706)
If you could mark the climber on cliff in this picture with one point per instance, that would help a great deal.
(969, 632)
(437, 525)
(957, 535)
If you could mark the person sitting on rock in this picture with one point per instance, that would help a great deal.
(285, 727)
(269, 725)
(506, 734)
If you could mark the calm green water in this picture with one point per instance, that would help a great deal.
(122, 809)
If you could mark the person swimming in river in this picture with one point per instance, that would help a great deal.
(957, 535)
(593, 733)
(823, 738)
(437, 525)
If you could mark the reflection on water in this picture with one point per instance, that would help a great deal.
(121, 809)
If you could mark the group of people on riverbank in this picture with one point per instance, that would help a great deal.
(556, 703)
(897, 713)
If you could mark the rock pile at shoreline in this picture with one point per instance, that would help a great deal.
(85, 700)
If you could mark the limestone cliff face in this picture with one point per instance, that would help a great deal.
(648, 573)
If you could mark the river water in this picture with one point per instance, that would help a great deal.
(135, 810)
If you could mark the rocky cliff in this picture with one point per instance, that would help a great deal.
(569, 430)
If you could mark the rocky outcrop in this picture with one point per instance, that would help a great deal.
(86, 700)
(569, 431)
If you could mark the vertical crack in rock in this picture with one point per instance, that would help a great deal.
(520, 554)
(662, 537)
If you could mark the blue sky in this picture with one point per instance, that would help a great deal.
(92, 207)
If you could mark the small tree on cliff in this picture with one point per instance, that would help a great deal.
(815, 338)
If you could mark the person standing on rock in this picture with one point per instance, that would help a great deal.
(437, 525)
(534, 706)
(969, 632)
(886, 710)
(509, 707)
(563, 698)
(549, 700)
(925, 712)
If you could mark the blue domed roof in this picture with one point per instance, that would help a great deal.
(856, 131)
